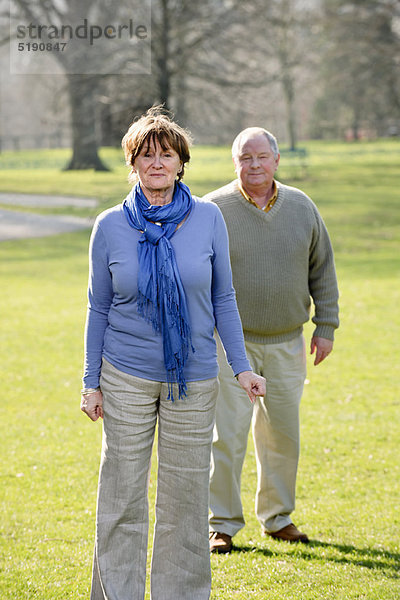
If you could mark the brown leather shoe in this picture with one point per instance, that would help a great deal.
(220, 542)
(290, 533)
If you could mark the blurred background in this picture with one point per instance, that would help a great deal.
(305, 69)
(324, 76)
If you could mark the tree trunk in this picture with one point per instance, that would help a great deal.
(284, 48)
(82, 93)
(164, 75)
(356, 121)
(180, 105)
(356, 131)
(288, 90)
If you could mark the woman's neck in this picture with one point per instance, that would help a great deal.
(159, 197)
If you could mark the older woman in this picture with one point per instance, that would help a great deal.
(159, 282)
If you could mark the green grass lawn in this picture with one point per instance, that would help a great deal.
(348, 485)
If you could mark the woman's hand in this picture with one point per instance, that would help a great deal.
(254, 385)
(92, 405)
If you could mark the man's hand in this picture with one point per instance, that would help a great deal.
(254, 385)
(92, 405)
(323, 348)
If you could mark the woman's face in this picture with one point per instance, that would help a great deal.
(156, 168)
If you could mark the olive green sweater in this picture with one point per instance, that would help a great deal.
(280, 260)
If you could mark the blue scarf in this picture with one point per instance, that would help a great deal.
(161, 297)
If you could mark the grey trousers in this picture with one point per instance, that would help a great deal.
(180, 567)
(276, 434)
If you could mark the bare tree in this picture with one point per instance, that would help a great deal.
(83, 64)
(360, 66)
(189, 43)
(195, 56)
(284, 34)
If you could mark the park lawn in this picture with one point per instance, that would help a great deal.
(348, 485)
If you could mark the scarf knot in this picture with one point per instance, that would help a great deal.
(152, 233)
(161, 296)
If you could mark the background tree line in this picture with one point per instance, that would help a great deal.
(302, 68)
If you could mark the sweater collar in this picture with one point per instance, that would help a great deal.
(270, 203)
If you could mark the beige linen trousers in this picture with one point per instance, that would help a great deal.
(276, 433)
(180, 567)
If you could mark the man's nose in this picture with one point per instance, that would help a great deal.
(255, 161)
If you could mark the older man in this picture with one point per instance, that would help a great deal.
(281, 257)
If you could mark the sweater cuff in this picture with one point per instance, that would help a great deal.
(91, 381)
(325, 331)
(239, 368)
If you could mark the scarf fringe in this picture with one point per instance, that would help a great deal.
(171, 309)
(148, 311)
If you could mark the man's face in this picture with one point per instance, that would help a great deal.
(255, 163)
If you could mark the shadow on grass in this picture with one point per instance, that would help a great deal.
(368, 558)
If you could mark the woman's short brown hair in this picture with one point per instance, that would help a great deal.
(154, 126)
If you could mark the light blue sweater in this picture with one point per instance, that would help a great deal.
(114, 329)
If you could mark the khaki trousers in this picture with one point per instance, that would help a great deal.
(180, 565)
(275, 421)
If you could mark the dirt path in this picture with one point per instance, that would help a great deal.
(16, 224)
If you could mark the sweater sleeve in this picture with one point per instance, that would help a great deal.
(323, 283)
(226, 313)
(100, 295)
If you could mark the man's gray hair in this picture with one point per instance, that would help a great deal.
(252, 132)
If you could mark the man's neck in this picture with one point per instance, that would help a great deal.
(262, 196)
